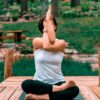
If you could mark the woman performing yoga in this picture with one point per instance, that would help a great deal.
(48, 82)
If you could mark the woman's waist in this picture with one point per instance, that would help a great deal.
(49, 79)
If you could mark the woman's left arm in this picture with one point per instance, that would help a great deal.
(57, 46)
(50, 28)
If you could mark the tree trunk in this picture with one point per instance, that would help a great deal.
(18, 1)
(32, 0)
(6, 4)
(44, 6)
(24, 6)
(96, 0)
(75, 3)
(55, 8)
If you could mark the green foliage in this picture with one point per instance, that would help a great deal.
(87, 8)
(30, 28)
(1, 71)
(26, 67)
(82, 34)
(14, 11)
(80, 31)
(34, 8)
(2, 11)
(70, 13)
(72, 68)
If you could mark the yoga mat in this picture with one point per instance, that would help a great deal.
(22, 96)
(78, 97)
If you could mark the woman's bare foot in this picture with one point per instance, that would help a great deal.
(68, 85)
(64, 86)
(36, 97)
(30, 97)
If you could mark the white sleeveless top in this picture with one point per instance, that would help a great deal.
(48, 66)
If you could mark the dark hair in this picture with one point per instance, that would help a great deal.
(40, 24)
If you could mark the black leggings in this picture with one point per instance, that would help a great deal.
(37, 87)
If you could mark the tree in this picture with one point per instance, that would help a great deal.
(96, 0)
(75, 3)
(24, 6)
(55, 8)
(44, 6)
(18, 1)
(6, 3)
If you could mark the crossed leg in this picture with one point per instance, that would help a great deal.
(37, 90)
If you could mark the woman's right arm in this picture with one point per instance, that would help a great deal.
(49, 25)
(45, 44)
(59, 45)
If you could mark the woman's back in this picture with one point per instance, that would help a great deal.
(48, 66)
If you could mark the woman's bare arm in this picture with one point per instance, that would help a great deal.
(57, 46)
(44, 43)
(50, 28)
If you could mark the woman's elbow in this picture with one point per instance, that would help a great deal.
(46, 47)
(52, 41)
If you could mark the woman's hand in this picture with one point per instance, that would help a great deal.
(49, 13)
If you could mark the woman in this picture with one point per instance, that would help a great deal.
(49, 83)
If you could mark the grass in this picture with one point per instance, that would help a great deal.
(81, 33)
(26, 67)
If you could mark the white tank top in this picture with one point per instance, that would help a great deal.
(48, 66)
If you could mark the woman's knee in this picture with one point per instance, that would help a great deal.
(25, 84)
(76, 90)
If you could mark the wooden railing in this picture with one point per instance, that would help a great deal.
(99, 65)
(8, 63)
(9, 59)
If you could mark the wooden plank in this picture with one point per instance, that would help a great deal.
(87, 94)
(18, 78)
(92, 95)
(96, 90)
(2, 88)
(86, 83)
(81, 78)
(11, 83)
(83, 83)
(7, 92)
(16, 94)
(67, 77)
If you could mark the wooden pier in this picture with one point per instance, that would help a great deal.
(10, 89)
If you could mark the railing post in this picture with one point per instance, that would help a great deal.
(99, 65)
(8, 63)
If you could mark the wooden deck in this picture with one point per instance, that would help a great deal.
(10, 89)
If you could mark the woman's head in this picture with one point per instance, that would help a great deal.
(41, 26)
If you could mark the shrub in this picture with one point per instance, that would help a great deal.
(1, 71)
(73, 68)
(85, 6)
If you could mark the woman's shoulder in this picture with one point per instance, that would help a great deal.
(37, 42)
(37, 38)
